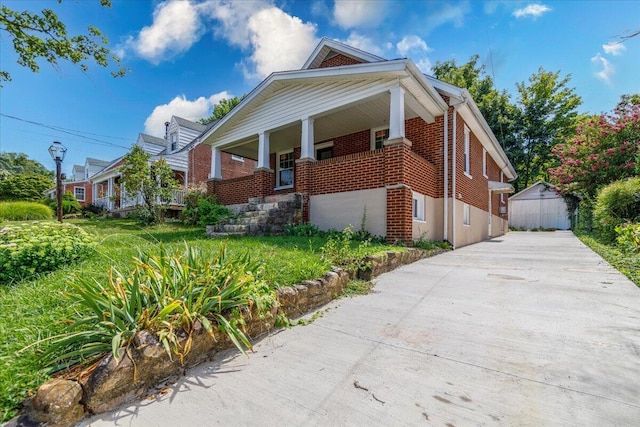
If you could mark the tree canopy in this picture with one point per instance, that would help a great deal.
(43, 36)
(222, 108)
(18, 163)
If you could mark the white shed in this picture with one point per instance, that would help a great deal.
(538, 206)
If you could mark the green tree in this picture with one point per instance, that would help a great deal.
(43, 36)
(25, 186)
(221, 109)
(153, 181)
(548, 115)
(19, 163)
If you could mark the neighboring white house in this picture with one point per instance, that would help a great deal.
(538, 206)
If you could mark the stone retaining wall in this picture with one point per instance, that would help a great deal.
(111, 383)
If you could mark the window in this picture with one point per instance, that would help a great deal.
(237, 158)
(285, 170)
(378, 137)
(324, 151)
(467, 167)
(174, 141)
(418, 207)
(466, 215)
(501, 180)
(78, 192)
(484, 163)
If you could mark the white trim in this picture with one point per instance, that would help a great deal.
(467, 152)
(502, 194)
(237, 158)
(373, 136)
(84, 193)
(341, 48)
(484, 163)
(293, 181)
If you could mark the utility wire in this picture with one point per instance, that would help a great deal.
(73, 132)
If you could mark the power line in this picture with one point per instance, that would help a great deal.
(78, 133)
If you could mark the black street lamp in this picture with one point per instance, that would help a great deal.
(57, 151)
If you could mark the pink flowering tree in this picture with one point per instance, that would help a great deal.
(604, 149)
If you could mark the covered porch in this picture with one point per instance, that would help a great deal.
(345, 135)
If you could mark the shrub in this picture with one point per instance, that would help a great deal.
(341, 252)
(165, 294)
(91, 211)
(617, 203)
(628, 237)
(24, 211)
(302, 230)
(70, 204)
(430, 244)
(38, 247)
(203, 209)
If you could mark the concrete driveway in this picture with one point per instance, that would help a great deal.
(528, 329)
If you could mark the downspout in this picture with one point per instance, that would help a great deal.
(453, 172)
(446, 175)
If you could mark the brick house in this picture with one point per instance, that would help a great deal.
(80, 185)
(358, 136)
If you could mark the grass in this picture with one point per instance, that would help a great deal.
(627, 263)
(23, 211)
(38, 308)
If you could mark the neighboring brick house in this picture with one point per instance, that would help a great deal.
(80, 185)
(353, 133)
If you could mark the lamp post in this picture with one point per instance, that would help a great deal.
(57, 152)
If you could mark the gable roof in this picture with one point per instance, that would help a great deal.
(199, 127)
(536, 191)
(150, 139)
(197, 139)
(328, 47)
(96, 162)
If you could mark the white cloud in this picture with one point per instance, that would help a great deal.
(532, 11)
(363, 43)
(176, 27)
(424, 65)
(279, 42)
(607, 68)
(182, 107)
(411, 43)
(358, 13)
(234, 18)
(448, 14)
(614, 48)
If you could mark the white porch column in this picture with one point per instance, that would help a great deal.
(216, 165)
(263, 150)
(306, 143)
(110, 193)
(396, 113)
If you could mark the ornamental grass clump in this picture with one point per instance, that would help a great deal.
(166, 294)
(38, 247)
(24, 211)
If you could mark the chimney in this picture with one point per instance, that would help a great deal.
(166, 130)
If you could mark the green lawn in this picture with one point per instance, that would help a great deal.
(627, 263)
(38, 308)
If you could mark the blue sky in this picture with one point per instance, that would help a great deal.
(186, 55)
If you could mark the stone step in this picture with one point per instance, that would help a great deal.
(223, 234)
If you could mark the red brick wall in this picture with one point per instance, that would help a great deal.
(338, 61)
(233, 191)
(359, 171)
(200, 165)
(474, 190)
(421, 175)
(88, 191)
(350, 144)
(427, 141)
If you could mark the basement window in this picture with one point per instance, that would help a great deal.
(466, 215)
(418, 207)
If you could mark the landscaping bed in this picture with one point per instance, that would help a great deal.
(39, 308)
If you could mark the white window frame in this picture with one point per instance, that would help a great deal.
(278, 169)
(467, 151)
(173, 140)
(484, 163)
(373, 136)
(322, 146)
(466, 215)
(84, 193)
(237, 158)
(417, 207)
(502, 194)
